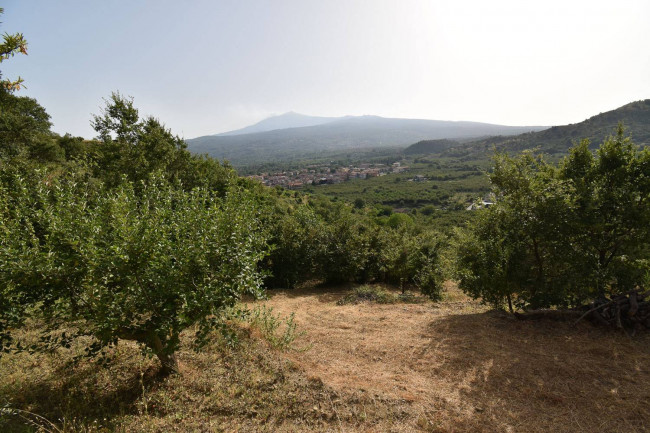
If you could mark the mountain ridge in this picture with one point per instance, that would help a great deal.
(349, 132)
(290, 119)
(635, 117)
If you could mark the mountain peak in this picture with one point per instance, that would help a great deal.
(290, 119)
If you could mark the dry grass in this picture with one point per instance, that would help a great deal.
(446, 367)
(463, 368)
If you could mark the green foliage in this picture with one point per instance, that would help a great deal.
(295, 239)
(409, 257)
(278, 331)
(560, 235)
(336, 242)
(397, 220)
(10, 46)
(137, 147)
(25, 129)
(120, 264)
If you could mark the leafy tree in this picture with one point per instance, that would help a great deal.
(560, 235)
(137, 147)
(295, 239)
(120, 264)
(343, 246)
(612, 208)
(25, 129)
(409, 257)
(399, 220)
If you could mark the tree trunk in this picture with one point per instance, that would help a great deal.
(152, 341)
(167, 360)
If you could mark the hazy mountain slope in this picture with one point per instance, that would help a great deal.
(345, 133)
(283, 121)
(558, 139)
(430, 146)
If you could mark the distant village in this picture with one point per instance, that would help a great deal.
(320, 174)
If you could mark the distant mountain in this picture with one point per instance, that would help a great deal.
(362, 132)
(558, 139)
(283, 121)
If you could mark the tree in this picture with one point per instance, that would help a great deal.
(612, 208)
(119, 264)
(11, 45)
(25, 129)
(295, 235)
(560, 235)
(136, 147)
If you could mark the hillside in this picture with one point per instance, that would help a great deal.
(361, 132)
(429, 146)
(558, 139)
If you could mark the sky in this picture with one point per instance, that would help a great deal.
(204, 67)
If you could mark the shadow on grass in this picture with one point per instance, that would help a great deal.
(544, 375)
(83, 394)
(326, 293)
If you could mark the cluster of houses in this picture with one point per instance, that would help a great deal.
(483, 203)
(325, 174)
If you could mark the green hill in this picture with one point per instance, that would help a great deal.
(635, 117)
(430, 146)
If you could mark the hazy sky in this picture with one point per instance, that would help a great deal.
(204, 67)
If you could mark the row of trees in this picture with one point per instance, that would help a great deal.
(315, 238)
(129, 236)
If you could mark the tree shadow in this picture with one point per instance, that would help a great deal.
(83, 393)
(325, 293)
(543, 375)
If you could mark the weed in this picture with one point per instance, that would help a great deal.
(270, 326)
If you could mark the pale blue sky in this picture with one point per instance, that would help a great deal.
(204, 67)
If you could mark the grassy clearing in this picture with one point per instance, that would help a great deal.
(463, 368)
(248, 386)
(453, 366)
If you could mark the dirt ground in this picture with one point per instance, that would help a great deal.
(456, 366)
